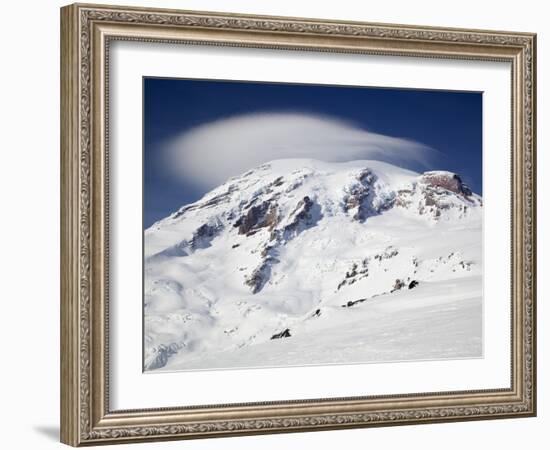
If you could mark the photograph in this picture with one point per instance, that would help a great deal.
(293, 224)
(279, 222)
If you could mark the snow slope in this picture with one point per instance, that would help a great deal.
(305, 262)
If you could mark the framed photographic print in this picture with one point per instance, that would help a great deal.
(275, 224)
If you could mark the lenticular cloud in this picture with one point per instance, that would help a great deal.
(209, 154)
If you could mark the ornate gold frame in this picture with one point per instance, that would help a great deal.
(86, 31)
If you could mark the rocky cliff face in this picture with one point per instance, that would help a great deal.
(289, 238)
(439, 195)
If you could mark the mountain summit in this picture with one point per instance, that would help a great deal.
(300, 261)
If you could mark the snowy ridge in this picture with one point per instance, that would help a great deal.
(268, 263)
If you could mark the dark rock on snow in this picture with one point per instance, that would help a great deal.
(399, 284)
(282, 334)
(260, 216)
(446, 180)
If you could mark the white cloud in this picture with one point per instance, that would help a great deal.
(209, 154)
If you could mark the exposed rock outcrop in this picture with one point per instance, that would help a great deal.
(209, 203)
(202, 238)
(257, 217)
(266, 215)
(158, 356)
(260, 276)
(204, 235)
(283, 334)
(354, 302)
(446, 180)
(399, 284)
(436, 193)
(358, 198)
(300, 218)
(360, 270)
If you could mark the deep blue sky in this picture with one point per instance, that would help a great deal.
(450, 122)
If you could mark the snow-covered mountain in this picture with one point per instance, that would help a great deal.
(306, 262)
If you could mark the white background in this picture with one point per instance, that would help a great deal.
(130, 389)
(29, 237)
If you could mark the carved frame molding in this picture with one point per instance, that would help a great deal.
(86, 31)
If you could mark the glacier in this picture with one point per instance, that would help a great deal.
(300, 262)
